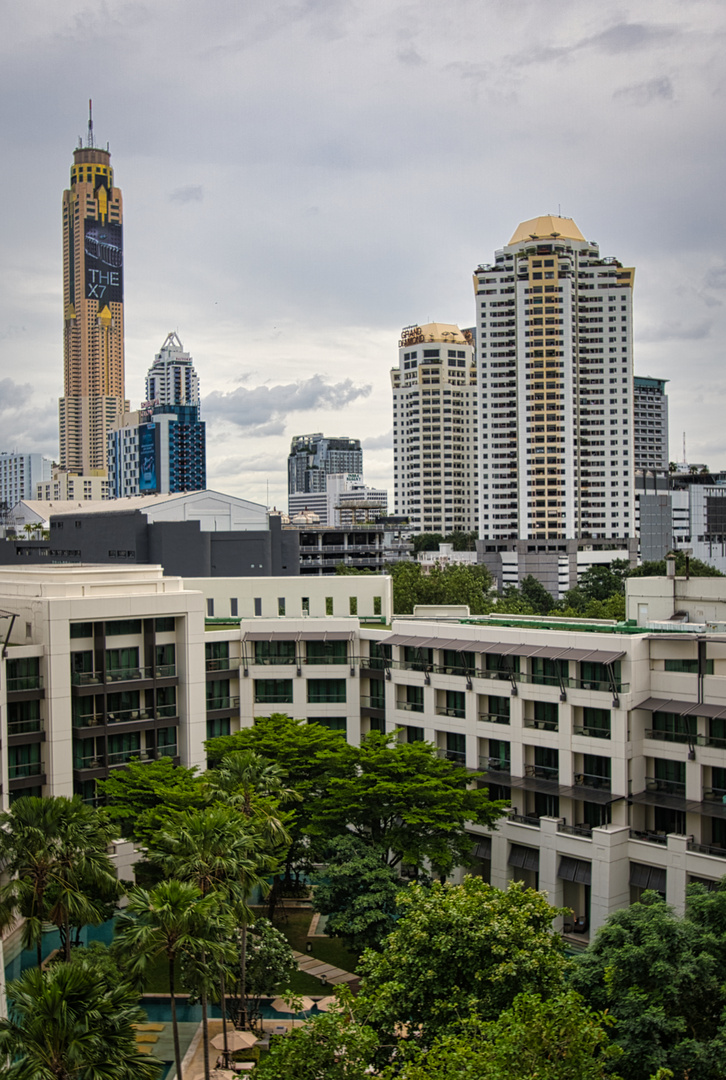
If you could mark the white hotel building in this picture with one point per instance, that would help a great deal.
(608, 739)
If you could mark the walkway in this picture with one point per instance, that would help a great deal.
(333, 976)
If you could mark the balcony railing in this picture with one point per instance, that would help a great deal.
(714, 794)
(525, 819)
(163, 712)
(673, 736)
(29, 768)
(495, 764)
(227, 702)
(452, 755)
(666, 787)
(494, 718)
(707, 849)
(122, 757)
(650, 837)
(543, 772)
(456, 714)
(372, 702)
(543, 725)
(410, 706)
(86, 678)
(127, 674)
(592, 780)
(220, 663)
(24, 682)
(121, 716)
(326, 660)
(272, 661)
(22, 727)
(575, 830)
(170, 750)
(591, 732)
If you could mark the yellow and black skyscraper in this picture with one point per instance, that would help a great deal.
(93, 309)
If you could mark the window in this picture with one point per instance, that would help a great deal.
(123, 626)
(218, 695)
(210, 608)
(123, 663)
(689, 666)
(546, 715)
(333, 723)
(377, 605)
(500, 755)
(281, 606)
(328, 605)
(121, 748)
(273, 690)
(414, 734)
(165, 624)
(258, 606)
(24, 674)
(326, 690)
(81, 630)
(305, 603)
(24, 716)
(233, 607)
(166, 741)
(549, 672)
(274, 652)
(165, 661)
(218, 726)
(326, 652)
(673, 727)
(414, 700)
(24, 761)
(595, 722)
(418, 659)
(456, 704)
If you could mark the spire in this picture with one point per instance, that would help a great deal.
(90, 123)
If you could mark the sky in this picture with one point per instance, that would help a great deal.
(303, 178)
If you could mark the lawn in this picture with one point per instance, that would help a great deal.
(295, 929)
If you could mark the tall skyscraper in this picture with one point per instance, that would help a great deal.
(651, 424)
(313, 457)
(172, 379)
(435, 429)
(93, 309)
(161, 447)
(556, 382)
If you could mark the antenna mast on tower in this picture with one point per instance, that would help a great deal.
(90, 123)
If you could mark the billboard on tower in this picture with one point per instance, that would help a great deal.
(103, 246)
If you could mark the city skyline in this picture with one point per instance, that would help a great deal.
(373, 156)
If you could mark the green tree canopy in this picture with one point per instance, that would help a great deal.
(459, 950)
(454, 584)
(333, 1046)
(557, 1038)
(70, 1022)
(661, 977)
(357, 891)
(145, 797)
(405, 800)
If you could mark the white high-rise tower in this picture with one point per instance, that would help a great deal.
(555, 334)
(172, 379)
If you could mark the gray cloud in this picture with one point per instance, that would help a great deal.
(378, 442)
(264, 408)
(715, 278)
(644, 93)
(13, 395)
(621, 38)
(677, 331)
(187, 194)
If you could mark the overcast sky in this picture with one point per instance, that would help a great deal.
(302, 178)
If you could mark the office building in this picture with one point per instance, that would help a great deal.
(20, 475)
(159, 449)
(201, 533)
(435, 429)
(172, 379)
(67, 486)
(313, 457)
(556, 381)
(93, 310)
(347, 500)
(650, 424)
(607, 739)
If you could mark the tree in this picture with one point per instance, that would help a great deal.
(459, 950)
(696, 568)
(534, 593)
(297, 748)
(170, 921)
(333, 1045)
(55, 851)
(71, 1023)
(145, 797)
(558, 1038)
(270, 964)
(661, 977)
(357, 891)
(255, 786)
(454, 584)
(403, 799)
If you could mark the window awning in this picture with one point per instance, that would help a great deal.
(267, 635)
(535, 783)
(325, 635)
(648, 877)
(526, 858)
(682, 708)
(583, 793)
(575, 870)
(659, 798)
(483, 850)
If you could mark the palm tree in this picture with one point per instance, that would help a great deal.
(211, 850)
(67, 1024)
(55, 852)
(171, 920)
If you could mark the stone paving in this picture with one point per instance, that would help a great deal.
(317, 968)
